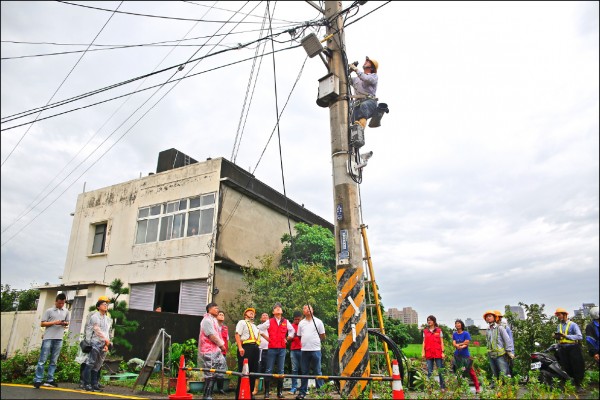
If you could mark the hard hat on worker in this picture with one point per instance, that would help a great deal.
(488, 312)
(498, 314)
(374, 63)
(103, 298)
(561, 310)
(249, 309)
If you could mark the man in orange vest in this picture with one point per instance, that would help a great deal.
(280, 331)
(569, 339)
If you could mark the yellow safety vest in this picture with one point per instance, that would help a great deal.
(566, 332)
(493, 350)
(252, 338)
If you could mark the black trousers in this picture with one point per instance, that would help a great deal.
(571, 359)
(252, 353)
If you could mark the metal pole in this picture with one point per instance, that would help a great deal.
(352, 319)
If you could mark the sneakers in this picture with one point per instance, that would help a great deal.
(97, 388)
(300, 397)
(51, 384)
(293, 391)
(37, 384)
(90, 388)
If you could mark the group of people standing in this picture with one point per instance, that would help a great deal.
(265, 347)
(500, 346)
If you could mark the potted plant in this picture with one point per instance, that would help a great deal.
(195, 381)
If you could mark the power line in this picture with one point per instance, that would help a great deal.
(33, 203)
(115, 85)
(161, 16)
(225, 9)
(117, 141)
(142, 90)
(59, 86)
(105, 47)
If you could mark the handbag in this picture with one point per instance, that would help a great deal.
(86, 346)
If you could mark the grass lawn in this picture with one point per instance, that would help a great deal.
(414, 350)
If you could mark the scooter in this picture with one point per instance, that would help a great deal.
(549, 367)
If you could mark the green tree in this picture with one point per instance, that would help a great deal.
(416, 334)
(268, 283)
(537, 327)
(310, 245)
(26, 298)
(473, 330)
(397, 331)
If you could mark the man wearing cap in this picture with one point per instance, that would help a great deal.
(365, 85)
(97, 331)
(210, 349)
(499, 346)
(280, 331)
(569, 339)
(505, 325)
(55, 320)
(247, 337)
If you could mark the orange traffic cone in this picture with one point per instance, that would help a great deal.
(397, 391)
(245, 392)
(181, 390)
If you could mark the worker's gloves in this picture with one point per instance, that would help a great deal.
(511, 355)
(352, 67)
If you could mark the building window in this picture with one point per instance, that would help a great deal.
(175, 219)
(99, 238)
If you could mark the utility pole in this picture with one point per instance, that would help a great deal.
(352, 319)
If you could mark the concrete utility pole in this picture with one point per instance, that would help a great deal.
(352, 319)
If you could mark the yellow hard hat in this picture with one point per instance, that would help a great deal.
(498, 314)
(249, 309)
(103, 298)
(489, 312)
(560, 310)
(375, 63)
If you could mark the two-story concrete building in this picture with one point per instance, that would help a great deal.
(177, 238)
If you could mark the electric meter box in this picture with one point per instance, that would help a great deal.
(328, 89)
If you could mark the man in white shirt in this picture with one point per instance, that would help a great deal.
(311, 331)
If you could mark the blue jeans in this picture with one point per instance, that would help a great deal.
(275, 357)
(440, 366)
(49, 347)
(311, 360)
(296, 358)
(365, 109)
(499, 365)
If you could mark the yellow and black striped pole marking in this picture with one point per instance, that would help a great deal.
(352, 330)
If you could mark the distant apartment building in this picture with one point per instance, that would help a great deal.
(407, 315)
(519, 311)
(584, 310)
(469, 322)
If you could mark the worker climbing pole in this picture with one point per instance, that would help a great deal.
(352, 328)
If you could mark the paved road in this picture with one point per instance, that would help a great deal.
(14, 391)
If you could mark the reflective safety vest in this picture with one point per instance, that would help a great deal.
(493, 350)
(277, 333)
(566, 332)
(253, 338)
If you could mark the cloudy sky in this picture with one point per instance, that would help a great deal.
(483, 188)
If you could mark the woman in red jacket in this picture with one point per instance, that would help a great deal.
(433, 348)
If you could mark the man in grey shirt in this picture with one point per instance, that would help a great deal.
(55, 320)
